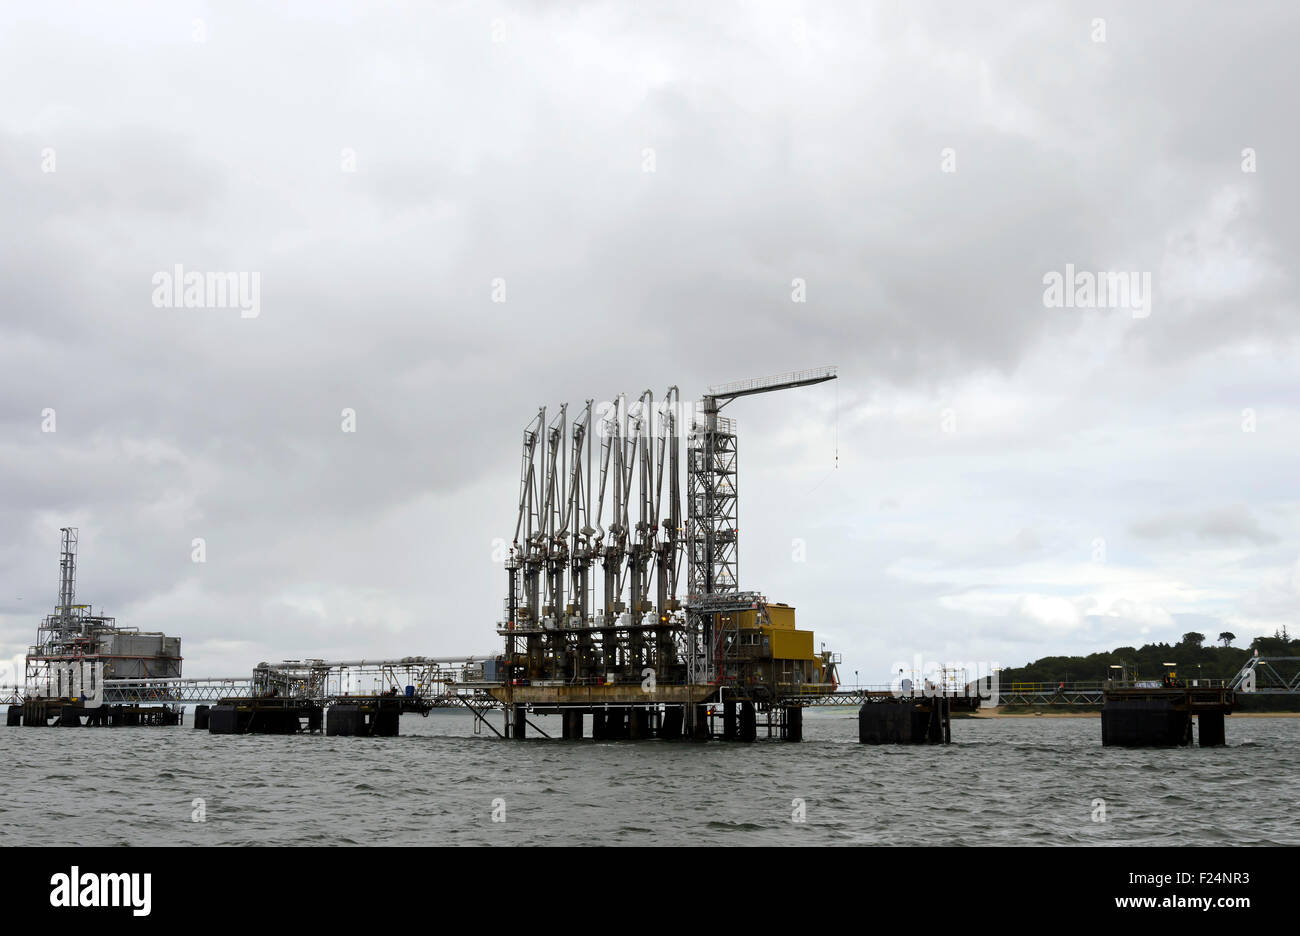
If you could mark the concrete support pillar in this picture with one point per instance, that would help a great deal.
(342, 720)
(670, 728)
(729, 732)
(520, 723)
(1210, 729)
(385, 725)
(571, 719)
(748, 722)
(793, 724)
(899, 723)
(934, 723)
(1157, 722)
(638, 727)
(616, 724)
(222, 719)
(700, 729)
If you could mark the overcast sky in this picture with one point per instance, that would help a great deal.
(648, 181)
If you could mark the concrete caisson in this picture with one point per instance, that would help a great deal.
(1132, 717)
(905, 721)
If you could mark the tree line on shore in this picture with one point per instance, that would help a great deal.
(1194, 657)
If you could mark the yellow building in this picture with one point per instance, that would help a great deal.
(770, 651)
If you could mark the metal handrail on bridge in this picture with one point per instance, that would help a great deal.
(858, 695)
(755, 384)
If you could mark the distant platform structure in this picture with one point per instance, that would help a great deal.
(344, 697)
(79, 653)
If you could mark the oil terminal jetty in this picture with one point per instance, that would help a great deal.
(622, 613)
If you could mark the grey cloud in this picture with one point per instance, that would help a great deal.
(1224, 525)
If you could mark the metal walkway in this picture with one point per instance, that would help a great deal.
(1259, 675)
(451, 682)
(429, 682)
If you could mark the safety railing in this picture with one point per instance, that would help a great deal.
(776, 380)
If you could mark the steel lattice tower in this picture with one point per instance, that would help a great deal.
(712, 523)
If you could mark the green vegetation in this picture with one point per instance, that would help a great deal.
(1195, 660)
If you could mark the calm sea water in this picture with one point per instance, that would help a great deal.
(1003, 781)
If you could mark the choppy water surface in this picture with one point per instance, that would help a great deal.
(1002, 781)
